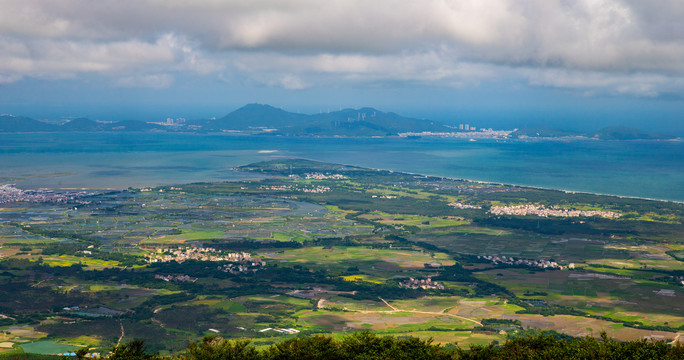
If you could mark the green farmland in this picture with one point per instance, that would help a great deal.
(351, 249)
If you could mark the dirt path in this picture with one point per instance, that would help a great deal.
(388, 304)
(161, 324)
(123, 333)
(40, 282)
(443, 312)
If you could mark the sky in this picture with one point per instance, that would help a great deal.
(572, 64)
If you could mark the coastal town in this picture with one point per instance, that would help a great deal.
(312, 189)
(10, 193)
(542, 211)
(470, 133)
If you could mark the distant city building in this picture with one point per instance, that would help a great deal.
(172, 122)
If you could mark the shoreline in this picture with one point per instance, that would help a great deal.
(511, 184)
(637, 169)
(347, 137)
(234, 169)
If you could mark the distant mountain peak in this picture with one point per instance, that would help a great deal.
(252, 106)
(365, 121)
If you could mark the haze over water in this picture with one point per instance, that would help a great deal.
(648, 169)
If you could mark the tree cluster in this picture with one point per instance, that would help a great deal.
(367, 346)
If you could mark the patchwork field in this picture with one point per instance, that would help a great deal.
(343, 250)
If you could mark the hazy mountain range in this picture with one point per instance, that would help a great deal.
(266, 119)
(252, 119)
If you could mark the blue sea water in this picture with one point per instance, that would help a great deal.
(648, 169)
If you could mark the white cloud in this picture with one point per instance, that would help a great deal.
(329, 69)
(301, 42)
(57, 58)
(156, 81)
(291, 82)
(641, 84)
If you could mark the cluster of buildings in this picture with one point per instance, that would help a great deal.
(316, 189)
(425, 284)
(9, 193)
(466, 127)
(171, 122)
(544, 264)
(320, 176)
(278, 187)
(160, 190)
(541, 210)
(197, 253)
(312, 189)
(471, 133)
(385, 196)
(179, 278)
(237, 268)
(464, 206)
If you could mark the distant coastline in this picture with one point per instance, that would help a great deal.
(522, 186)
(261, 119)
(532, 187)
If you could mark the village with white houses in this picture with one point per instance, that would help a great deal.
(314, 189)
(425, 284)
(9, 193)
(182, 254)
(539, 210)
(544, 264)
(178, 278)
(459, 205)
(326, 176)
(542, 211)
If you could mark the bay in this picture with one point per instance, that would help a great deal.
(646, 169)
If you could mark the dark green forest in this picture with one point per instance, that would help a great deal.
(366, 345)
